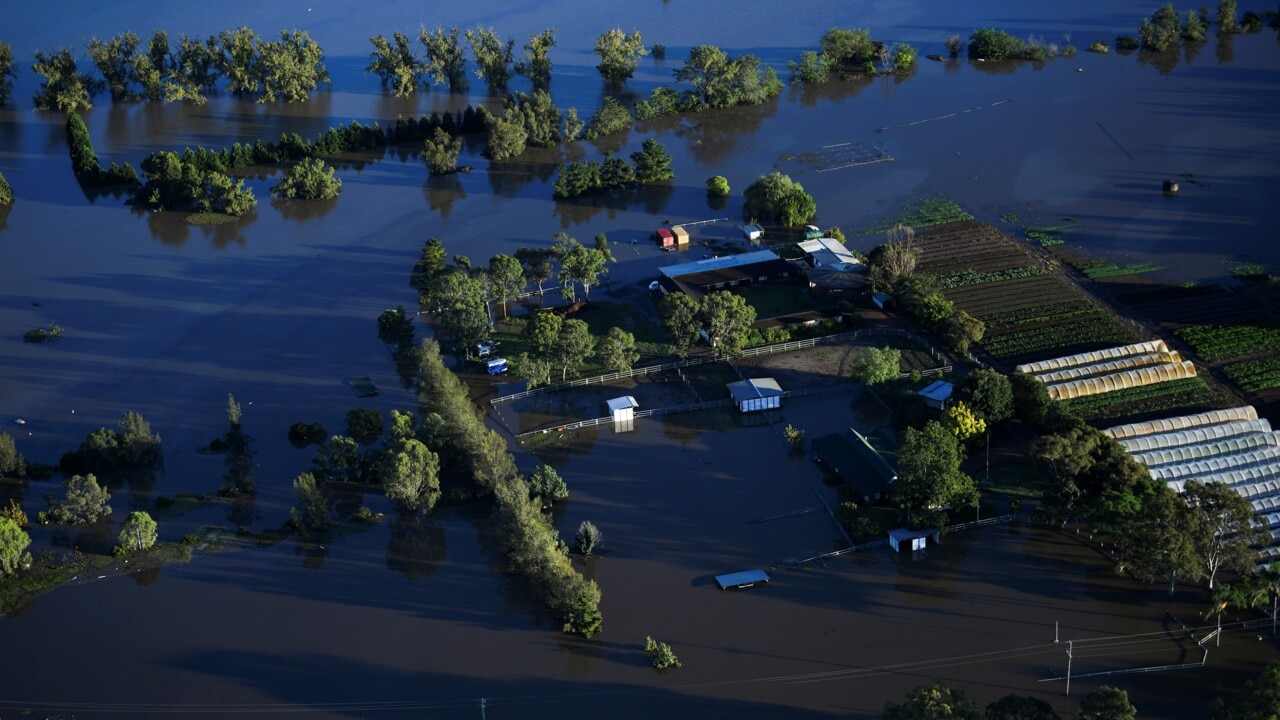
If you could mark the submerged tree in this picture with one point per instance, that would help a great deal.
(396, 65)
(8, 72)
(137, 533)
(440, 152)
(778, 198)
(620, 55)
(446, 63)
(493, 57)
(311, 179)
(64, 88)
(536, 63)
(85, 502)
(292, 67)
(114, 58)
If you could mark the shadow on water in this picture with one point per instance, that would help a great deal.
(302, 211)
(415, 546)
(441, 191)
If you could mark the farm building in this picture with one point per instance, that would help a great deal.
(883, 301)
(756, 394)
(1230, 446)
(827, 251)
(623, 411)
(913, 541)
(936, 394)
(752, 232)
(702, 276)
(858, 461)
(741, 580)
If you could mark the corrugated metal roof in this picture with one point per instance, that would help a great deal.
(746, 578)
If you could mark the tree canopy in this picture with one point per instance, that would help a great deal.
(620, 55)
(138, 532)
(85, 502)
(311, 179)
(14, 542)
(929, 476)
(778, 199)
(988, 393)
(877, 365)
(935, 701)
(1107, 703)
(727, 319)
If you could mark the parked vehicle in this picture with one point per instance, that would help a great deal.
(497, 366)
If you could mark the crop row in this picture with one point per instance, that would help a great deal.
(1143, 399)
(1224, 342)
(1037, 314)
(1099, 330)
(1255, 375)
(961, 278)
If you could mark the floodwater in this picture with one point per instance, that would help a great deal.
(279, 309)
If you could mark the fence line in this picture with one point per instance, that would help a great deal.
(884, 542)
(750, 352)
(691, 407)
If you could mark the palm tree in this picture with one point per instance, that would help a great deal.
(1244, 593)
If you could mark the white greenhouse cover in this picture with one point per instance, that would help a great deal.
(1121, 380)
(1096, 356)
(1210, 466)
(1182, 422)
(1109, 367)
(1193, 436)
(1188, 453)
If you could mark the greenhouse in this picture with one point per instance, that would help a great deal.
(1122, 380)
(1089, 358)
(1183, 422)
(1109, 367)
(1216, 465)
(1193, 436)
(1189, 453)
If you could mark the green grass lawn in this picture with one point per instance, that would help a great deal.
(770, 299)
(1017, 481)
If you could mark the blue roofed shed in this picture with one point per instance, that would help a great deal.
(744, 579)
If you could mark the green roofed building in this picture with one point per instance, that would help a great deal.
(863, 461)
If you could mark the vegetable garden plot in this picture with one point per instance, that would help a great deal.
(968, 245)
(1012, 295)
(1176, 307)
(1255, 375)
(1080, 334)
(1216, 343)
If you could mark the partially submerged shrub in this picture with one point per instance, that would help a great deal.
(660, 654)
(1099, 46)
(1127, 43)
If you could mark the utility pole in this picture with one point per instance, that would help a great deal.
(482, 702)
(1068, 667)
(1055, 632)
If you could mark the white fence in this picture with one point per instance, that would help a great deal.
(750, 352)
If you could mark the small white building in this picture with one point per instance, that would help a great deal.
(623, 412)
(756, 394)
(827, 251)
(936, 394)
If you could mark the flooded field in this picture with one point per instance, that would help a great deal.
(279, 309)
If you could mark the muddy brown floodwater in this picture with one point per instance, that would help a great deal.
(418, 619)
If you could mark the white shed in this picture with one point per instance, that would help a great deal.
(623, 411)
(756, 394)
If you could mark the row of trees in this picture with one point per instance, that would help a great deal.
(478, 458)
(444, 60)
(131, 445)
(716, 80)
(938, 701)
(649, 165)
(289, 68)
(84, 161)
